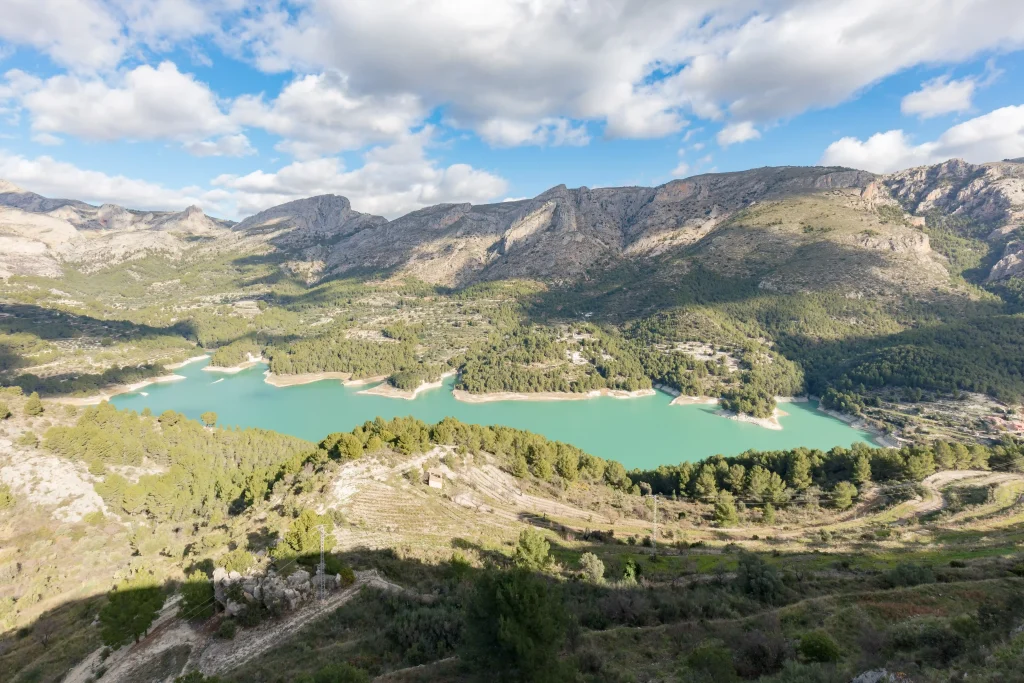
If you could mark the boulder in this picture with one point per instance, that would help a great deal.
(300, 576)
(233, 609)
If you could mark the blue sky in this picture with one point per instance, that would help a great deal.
(398, 104)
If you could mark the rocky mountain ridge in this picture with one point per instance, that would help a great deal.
(989, 196)
(39, 234)
(561, 234)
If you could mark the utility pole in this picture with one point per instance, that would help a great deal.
(321, 587)
(654, 536)
(655, 539)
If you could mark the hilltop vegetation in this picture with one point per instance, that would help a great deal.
(771, 566)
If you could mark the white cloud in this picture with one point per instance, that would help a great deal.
(47, 139)
(793, 55)
(97, 35)
(741, 131)
(392, 181)
(939, 96)
(74, 33)
(550, 131)
(317, 115)
(145, 103)
(53, 178)
(993, 136)
(504, 66)
(237, 145)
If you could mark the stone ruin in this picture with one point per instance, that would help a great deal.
(235, 592)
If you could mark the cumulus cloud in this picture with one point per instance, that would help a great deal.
(317, 115)
(145, 103)
(500, 67)
(237, 145)
(504, 66)
(53, 178)
(733, 133)
(993, 136)
(939, 96)
(507, 68)
(96, 35)
(792, 56)
(393, 180)
(74, 33)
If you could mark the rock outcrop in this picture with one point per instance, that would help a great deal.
(235, 592)
(564, 233)
(1011, 264)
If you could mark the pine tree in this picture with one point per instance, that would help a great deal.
(33, 406)
(196, 597)
(706, 485)
(862, 470)
(533, 551)
(800, 471)
(515, 627)
(843, 495)
(130, 610)
(725, 510)
(737, 477)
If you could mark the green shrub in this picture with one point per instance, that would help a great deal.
(533, 551)
(908, 574)
(228, 629)
(818, 646)
(758, 579)
(759, 654)
(336, 673)
(28, 439)
(6, 497)
(33, 406)
(932, 640)
(714, 661)
(238, 560)
(592, 568)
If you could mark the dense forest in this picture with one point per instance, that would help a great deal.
(332, 351)
(218, 471)
(205, 471)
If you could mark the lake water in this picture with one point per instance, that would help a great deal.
(638, 432)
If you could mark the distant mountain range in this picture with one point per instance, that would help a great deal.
(763, 222)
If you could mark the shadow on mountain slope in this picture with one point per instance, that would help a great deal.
(649, 613)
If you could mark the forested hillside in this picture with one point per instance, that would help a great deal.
(770, 566)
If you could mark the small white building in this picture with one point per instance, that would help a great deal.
(435, 478)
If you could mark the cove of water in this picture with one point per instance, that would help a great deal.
(638, 432)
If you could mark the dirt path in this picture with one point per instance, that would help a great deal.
(219, 656)
(933, 485)
(209, 654)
